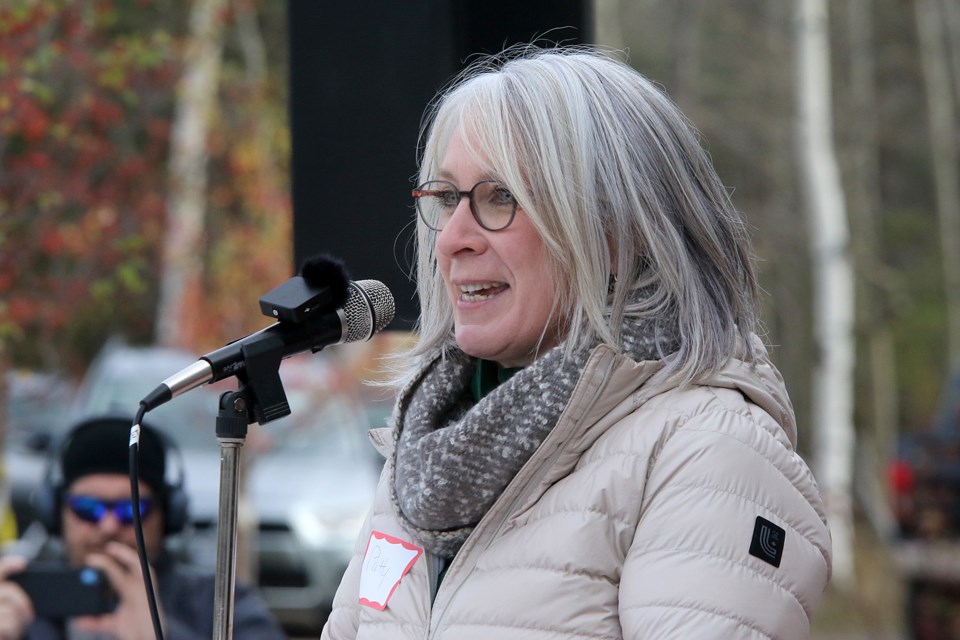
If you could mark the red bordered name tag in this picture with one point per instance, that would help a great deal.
(385, 562)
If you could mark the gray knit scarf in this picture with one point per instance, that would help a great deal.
(454, 457)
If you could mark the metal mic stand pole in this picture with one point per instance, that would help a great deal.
(232, 422)
(259, 398)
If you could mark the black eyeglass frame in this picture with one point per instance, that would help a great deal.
(421, 191)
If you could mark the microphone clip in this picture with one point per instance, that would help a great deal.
(262, 377)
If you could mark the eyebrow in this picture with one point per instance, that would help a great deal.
(443, 174)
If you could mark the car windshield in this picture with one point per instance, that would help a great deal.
(36, 403)
(322, 422)
(189, 418)
(319, 426)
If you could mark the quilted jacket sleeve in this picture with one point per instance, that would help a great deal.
(344, 617)
(727, 500)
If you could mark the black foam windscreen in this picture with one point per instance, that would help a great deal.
(326, 271)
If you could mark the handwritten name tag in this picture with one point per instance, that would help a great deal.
(385, 562)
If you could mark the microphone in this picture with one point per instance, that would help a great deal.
(369, 307)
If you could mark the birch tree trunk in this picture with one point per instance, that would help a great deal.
(943, 147)
(881, 375)
(182, 265)
(833, 283)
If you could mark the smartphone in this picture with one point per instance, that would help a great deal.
(61, 591)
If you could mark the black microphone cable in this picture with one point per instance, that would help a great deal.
(138, 521)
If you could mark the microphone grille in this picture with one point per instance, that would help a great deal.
(369, 308)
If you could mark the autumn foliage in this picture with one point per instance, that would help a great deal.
(86, 102)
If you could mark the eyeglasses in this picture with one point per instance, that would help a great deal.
(92, 510)
(492, 204)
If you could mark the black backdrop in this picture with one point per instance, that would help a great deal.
(361, 74)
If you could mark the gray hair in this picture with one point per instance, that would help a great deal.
(614, 178)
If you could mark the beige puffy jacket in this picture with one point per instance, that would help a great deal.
(649, 511)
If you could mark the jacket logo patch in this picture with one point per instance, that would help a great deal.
(767, 543)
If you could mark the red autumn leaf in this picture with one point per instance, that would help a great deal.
(52, 242)
(34, 123)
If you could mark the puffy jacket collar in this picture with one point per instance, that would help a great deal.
(616, 379)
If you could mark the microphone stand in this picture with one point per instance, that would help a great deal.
(259, 397)
(232, 424)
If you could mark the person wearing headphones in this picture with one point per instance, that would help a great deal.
(90, 507)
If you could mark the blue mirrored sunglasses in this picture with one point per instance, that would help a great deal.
(92, 510)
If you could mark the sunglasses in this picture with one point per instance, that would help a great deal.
(92, 510)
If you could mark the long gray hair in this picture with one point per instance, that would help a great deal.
(614, 178)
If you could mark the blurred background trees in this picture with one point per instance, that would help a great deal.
(88, 97)
(91, 92)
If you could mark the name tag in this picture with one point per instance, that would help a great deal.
(385, 562)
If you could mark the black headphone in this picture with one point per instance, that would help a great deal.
(47, 501)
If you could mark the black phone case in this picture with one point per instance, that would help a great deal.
(59, 591)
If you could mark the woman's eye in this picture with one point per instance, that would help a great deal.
(502, 196)
(449, 198)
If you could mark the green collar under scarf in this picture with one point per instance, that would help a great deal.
(487, 376)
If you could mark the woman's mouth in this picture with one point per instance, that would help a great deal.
(481, 291)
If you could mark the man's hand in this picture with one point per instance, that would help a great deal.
(16, 610)
(131, 619)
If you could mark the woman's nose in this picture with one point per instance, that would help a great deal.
(461, 231)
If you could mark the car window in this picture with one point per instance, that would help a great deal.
(190, 419)
(324, 422)
(319, 425)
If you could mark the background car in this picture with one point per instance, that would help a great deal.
(37, 404)
(307, 479)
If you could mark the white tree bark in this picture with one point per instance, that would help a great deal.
(186, 203)
(833, 283)
(943, 147)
